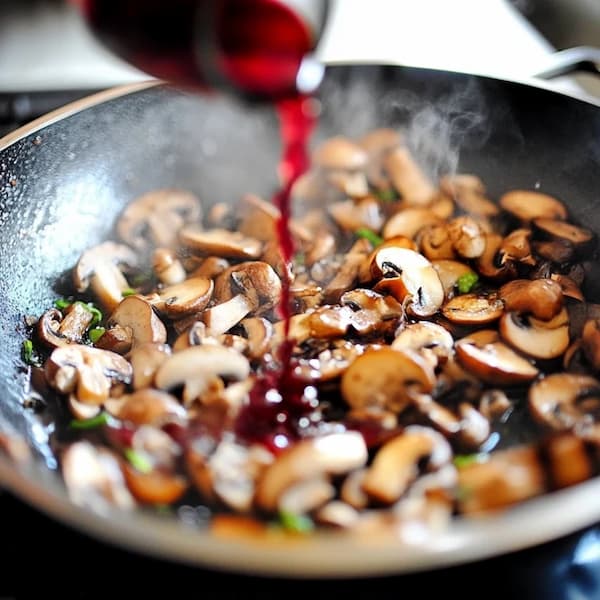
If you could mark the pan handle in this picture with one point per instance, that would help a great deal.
(571, 60)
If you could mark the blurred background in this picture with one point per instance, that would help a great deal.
(48, 57)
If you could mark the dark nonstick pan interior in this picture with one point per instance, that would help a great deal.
(63, 185)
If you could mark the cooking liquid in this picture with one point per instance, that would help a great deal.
(254, 48)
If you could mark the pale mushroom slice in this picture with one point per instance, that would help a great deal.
(569, 460)
(137, 314)
(408, 276)
(473, 309)
(508, 477)
(251, 288)
(339, 153)
(99, 269)
(450, 272)
(155, 218)
(384, 378)
(467, 235)
(409, 179)
(431, 340)
(536, 338)
(220, 242)
(397, 463)
(527, 205)
(88, 372)
(469, 193)
(407, 222)
(483, 354)
(543, 298)
(354, 214)
(186, 298)
(328, 455)
(194, 368)
(563, 401)
(167, 266)
(148, 406)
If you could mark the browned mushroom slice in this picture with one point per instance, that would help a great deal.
(528, 205)
(377, 143)
(355, 262)
(145, 359)
(328, 364)
(408, 221)
(408, 178)
(167, 266)
(558, 250)
(220, 242)
(150, 407)
(136, 313)
(569, 286)
(590, 340)
(516, 247)
(543, 298)
(473, 309)
(468, 238)
(93, 478)
(98, 269)
(195, 367)
(54, 330)
(330, 454)
(373, 311)
(577, 236)
(211, 267)
(491, 264)
(251, 287)
(259, 332)
(81, 410)
(339, 152)
(88, 372)
(383, 378)
(186, 298)
(506, 478)
(156, 486)
(351, 215)
(435, 242)
(468, 191)
(429, 339)
(568, 458)
(397, 463)
(565, 400)
(538, 339)
(484, 355)
(408, 275)
(449, 272)
(116, 339)
(329, 321)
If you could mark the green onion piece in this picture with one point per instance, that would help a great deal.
(294, 522)
(97, 314)
(465, 283)
(138, 460)
(128, 292)
(388, 195)
(62, 303)
(96, 333)
(462, 460)
(27, 352)
(363, 232)
(99, 420)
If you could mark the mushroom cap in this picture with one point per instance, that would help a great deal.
(528, 205)
(185, 298)
(473, 309)
(408, 221)
(220, 242)
(449, 272)
(155, 218)
(426, 338)
(105, 253)
(555, 228)
(150, 407)
(543, 298)
(137, 313)
(339, 152)
(384, 377)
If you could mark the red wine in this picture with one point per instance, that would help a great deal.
(252, 47)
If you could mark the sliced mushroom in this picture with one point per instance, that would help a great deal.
(210, 267)
(384, 378)
(538, 339)
(579, 237)
(408, 275)
(54, 329)
(570, 288)
(413, 185)
(563, 401)
(330, 454)
(88, 372)
(145, 359)
(435, 242)
(508, 477)
(93, 477)
(473, 309)
(80, 410)
(337, 514)
(355, 262)
(137, 314)
(468, 191)
(543, 298)
(408, 221)
(116, 339)
(449, 272)
(351, 215)
(397, 463)
(259, 332)
(220, 242)
(483, 354)
(468, 238)
(98, 269)
(516, 247)
(167, 266)
(189, 297)
(590, 339)
(155, 218)
(195, 367)
(150, 407)
(429, 339)
(528, 205)
(492, 263)
(568, 459)
(339, 152)
(157, 486)
(558, 251)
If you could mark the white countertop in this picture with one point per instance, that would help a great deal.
(49, 48)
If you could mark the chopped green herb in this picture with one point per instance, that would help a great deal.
(99, 420)
(128, 292)
(462, 460)
(370, 235)
(467, 282)
(138, 460)
(96, 333)
(294, 522)
(97, 314)
(62, 303)
(388, 195)
(28, 354)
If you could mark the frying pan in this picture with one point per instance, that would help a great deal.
(65, 178)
